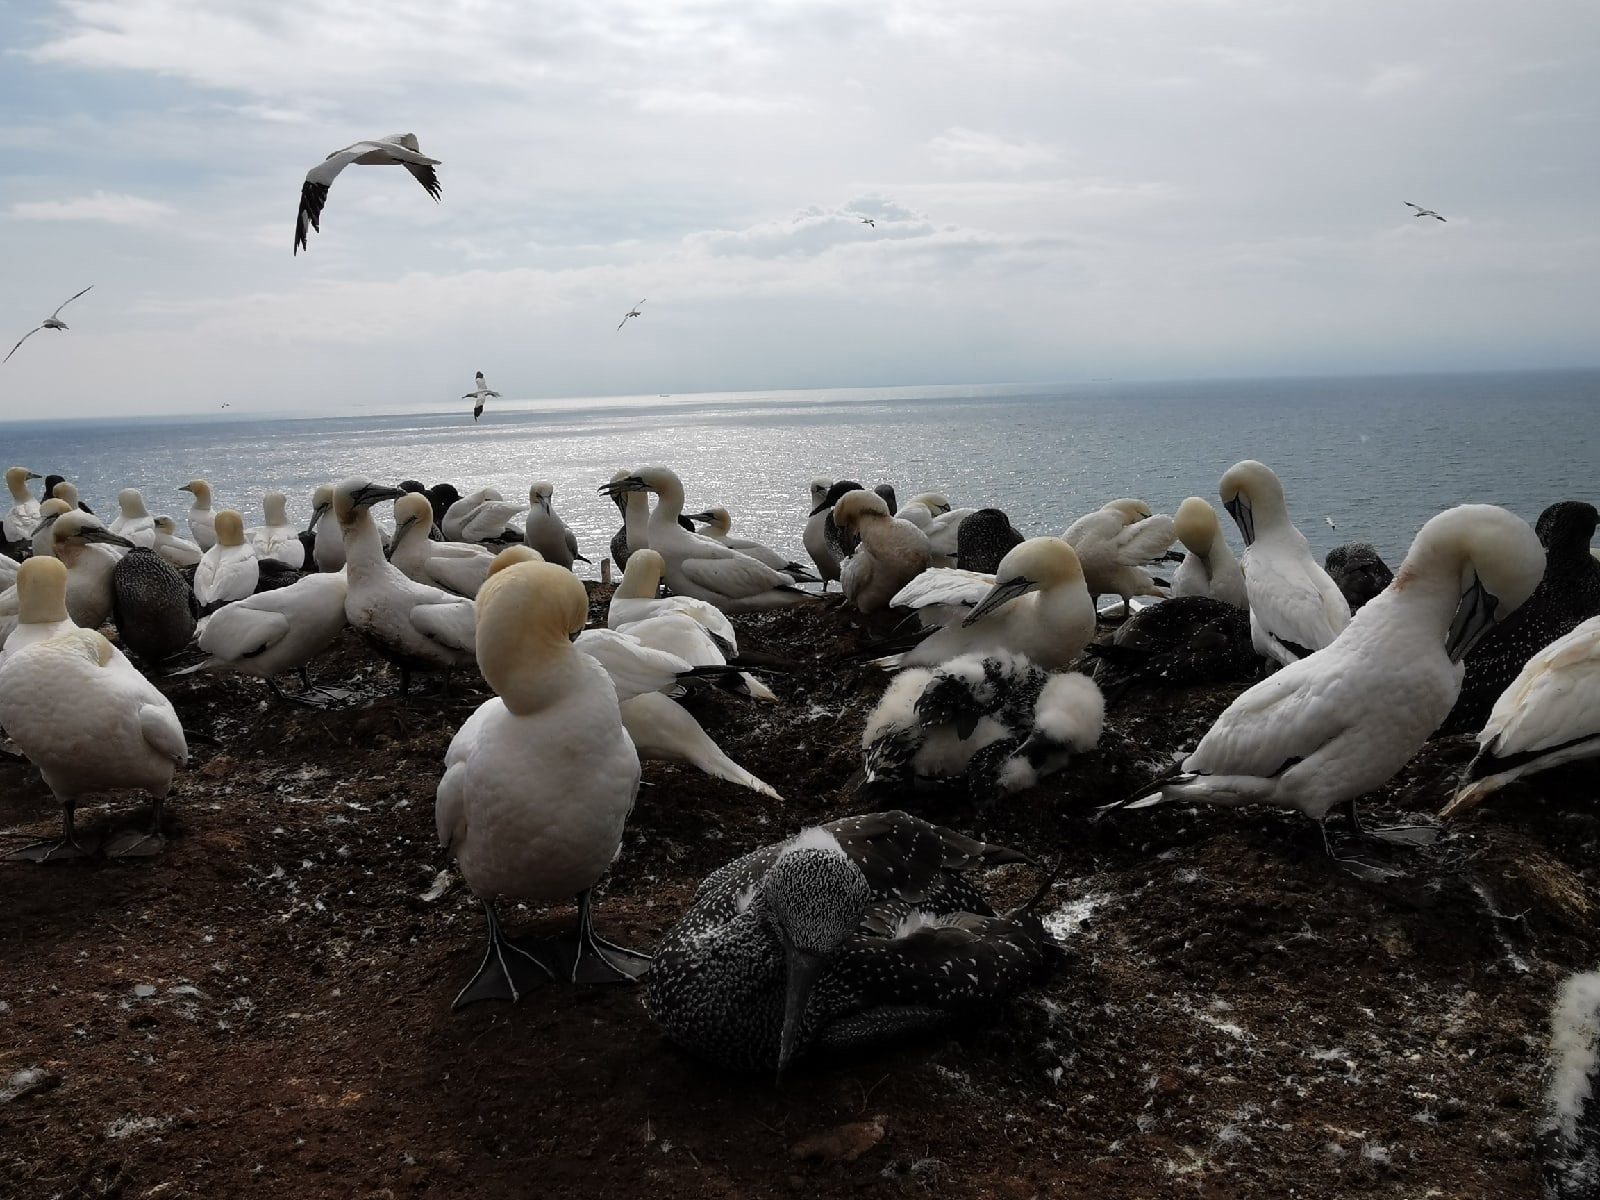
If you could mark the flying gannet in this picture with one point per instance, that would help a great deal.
(397, 150)
(53, 321)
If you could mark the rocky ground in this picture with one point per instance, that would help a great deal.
(264, 1010)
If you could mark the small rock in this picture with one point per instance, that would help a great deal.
(144, 990)
(27, 1082)
(846, 1143)
(217, 767)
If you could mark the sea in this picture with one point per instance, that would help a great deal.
(1362, 458)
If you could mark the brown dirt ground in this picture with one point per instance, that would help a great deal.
(264, 1010)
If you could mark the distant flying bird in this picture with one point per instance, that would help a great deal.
(482, 394)
(396, 150)
(1329, 520)
(50, 322)
(632, 312)
(869, 221)
(1423, 212)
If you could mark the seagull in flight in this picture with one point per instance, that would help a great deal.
(480, 395)
(1329, 520)
(396, 150)
(1423, 212)
(51, 322)
(869, 221)
(632, 312)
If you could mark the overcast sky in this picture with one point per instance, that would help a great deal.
(1062, 190)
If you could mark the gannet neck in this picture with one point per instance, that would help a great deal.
(720, 522)
(42, 591)
(641, 578)
(276, 507)
(1471, 545)
(131, 503)
(230, 528)
(202, 494)
(527, 613)
(17, 480)
(669, 495)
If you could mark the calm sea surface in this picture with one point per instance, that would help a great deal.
(1379, 455)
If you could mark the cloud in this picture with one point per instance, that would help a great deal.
(116, 208)
(1394, 79)
(962, 148)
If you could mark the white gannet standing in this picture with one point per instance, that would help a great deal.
(638, 597)
(892, 552)
(178, 551)
(697, 566)
(90, 553)
(479, 516)
(41, 605)
(24, 514)
(53, 321)
(91, 723)
(478, 395)
(814, 540)
(1209, 569)
(200, 516)
(1295, 607)
(1337, 724)
(1548, 716)
(663, 729)
(539, 781)
(272, 632)
(133, 520)
(396, 150)
(718, 522)
(327, 542)
(230, 569)
(40, 542)
(275, 537)
(459, 567)
(1113, 542)
(1036, 605)
(416, 627)
(546, 532)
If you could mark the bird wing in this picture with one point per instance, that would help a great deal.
(634, 667)
(238, 631)
(1287, 716)
(314, 191)
(944, 585)
(1307, 609)
(1146, 540)
(489, 519)
(449, 620)
(20, 340)
(458, 574)
(68, 301)
(424, 174)
(1556, 698)
(906, 856)
(731, 574)
(160, 727)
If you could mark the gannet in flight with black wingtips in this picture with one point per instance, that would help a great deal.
(397, 150)
(53, 321)
(480, 394)
(632, 312)
(869, 221)
(1423, 212)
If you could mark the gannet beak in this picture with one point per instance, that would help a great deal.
(92, 533)
(371, 493)
(704, 518)
(998, 595)
(33, 475)
(187, 488)
(1239, 509)
(399, 532)
(823, 507)
(316, 515)
(1474, 618)
(631, 484)
(802, 977)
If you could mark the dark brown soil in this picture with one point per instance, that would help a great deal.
(264, 1010)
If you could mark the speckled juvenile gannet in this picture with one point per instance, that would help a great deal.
(697, 566)
(201, 520)
(277, 631)
(91, 723)
(178, 551)
(41, 594)
(1209, 569)
(892, 553)
(718, 522)
(664, 730)
(546, 532)
(276, 538)
(814, 540)
(1337, 724)
(539, 781)
(459, 567)
(396, 150)
(1036, 605)
(1295, 608)
(19, 522)
(983, 538)
(327, 541)
(230, 569)
(418, 628)
(479, 516)
(152, 606)
(638, 597)
(1183, 640)
(1358, 571)
(1548, 716)
(1113, 541)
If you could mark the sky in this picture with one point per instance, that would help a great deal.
(1062, 190)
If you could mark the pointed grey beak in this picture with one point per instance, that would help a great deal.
(1239, 509)
(704, 518)
(823, 507)
(93, 533)
(803, 971)
(998, 595)
(369, 494)
(399, 532)
(1474, 618)
(33, 475)
(316, 515)
(631, 484)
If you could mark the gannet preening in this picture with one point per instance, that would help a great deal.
(327, 545)
(983, 538)
(459, 567)
(1567, 1134)
(664, 730)
(397, 150)
(478, 395)
(1209, 569)
(697, 566)
(1423, 212)
(41, 595)
(1112, 545)
(152, 606)
(229, 570)
(276, 538)
(416, 627)
(849, 934)
(53, 321)
(814, 540)
(718, 522)
(1334, 725)
(1036, 605)
(1548, 716)
(1295, 608)
(841, 544)
(277, 631)
(638, 598)
(481, 516)
(178, 551)
(1181, 641)
(546, 532)
(91, 723)
(632, 312)
(24, 514)
(539, 781)
(90, 553)
(201, 519)
(892, 552)
(1358, 571)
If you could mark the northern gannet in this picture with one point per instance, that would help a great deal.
(1181, 641)
(24, 514)
(90, 553)
(1358, 571)
(152, 606)
(180, 552)
(327, 547)
(275, 537)
(632, 312)
(230, 569)
(814, 539)
(133, 520)
(53, 321)
(277, 631)
(638, 597)
(984, 537)
(40, 542)
(547, 533)
(480, 516)
(1113, 543)
(718, 522)
(1422, 212)
(539, 781)
(662, 729)
(41, 594)
(459, 567)
(396, 150)
(892, 552)
(1209, 568)
(201, 519)
(478, 395)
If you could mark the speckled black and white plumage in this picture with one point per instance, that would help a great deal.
(903, 943)
(1184, 640)
(1568, 594)
(1359, 571)
(152, 606)
(983, 538)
